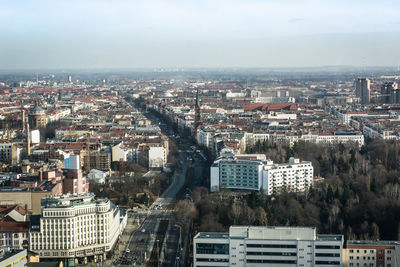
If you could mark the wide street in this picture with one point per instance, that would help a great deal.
(143, 239)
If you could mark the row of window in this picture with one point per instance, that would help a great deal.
(271, 253)
(272, 261)
(212, 260)
(372, 251)
(270, 246)
(207, 248)
(370, 258)
(369, 265)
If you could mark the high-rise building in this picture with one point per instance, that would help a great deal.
(267, 246)
(363, 90)
(74, 226)
(390, 93)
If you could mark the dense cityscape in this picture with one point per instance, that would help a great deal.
(200, 168)
(170, 133)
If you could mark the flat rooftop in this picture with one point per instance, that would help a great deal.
(212, 235)
(372, 243)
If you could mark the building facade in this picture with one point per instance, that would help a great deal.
(363, 90)
(267, 246)
(37, 118)
(371, 253)
(237, 172)
(75, 226)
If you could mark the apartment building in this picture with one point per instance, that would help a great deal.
(5, 151)
(294, 176)
(317, 138)
(371, 253)
(267, 246)
(75, 226)
(236, 172)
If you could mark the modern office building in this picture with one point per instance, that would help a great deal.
(75, 226)
(267, 246)
(371, 253)
(236, 172)
(363, 90)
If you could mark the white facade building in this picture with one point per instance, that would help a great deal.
(238, 172)
(157, 157)
(75, 226)
(124, 152)
(35, 136)
(252, 246)
(334, 138)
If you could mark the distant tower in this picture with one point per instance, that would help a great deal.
(69, 78)
(23, 121)
(363, 90)
(197, 116)
(37, 78)
(390, 93)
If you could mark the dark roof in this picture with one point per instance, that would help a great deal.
(37, 108)
(34, 223)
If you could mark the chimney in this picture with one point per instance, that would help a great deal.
(23, 119)
(28, 140)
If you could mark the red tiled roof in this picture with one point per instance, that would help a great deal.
(12, 227)
(270, 107)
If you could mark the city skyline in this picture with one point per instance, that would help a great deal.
(182, 34)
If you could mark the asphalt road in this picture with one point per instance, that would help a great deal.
(143, 239)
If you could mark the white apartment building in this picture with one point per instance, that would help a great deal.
(291, 139)
(253, 246)
(294, 176)
(237, 172)
(124, 152)
(205, 138)
(157, 156)
(75, 226)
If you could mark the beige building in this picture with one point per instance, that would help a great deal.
(75, 226)
(371, 253)
(37, 118)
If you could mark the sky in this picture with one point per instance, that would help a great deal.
(86, 34)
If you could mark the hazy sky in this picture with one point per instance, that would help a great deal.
(202, 33)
